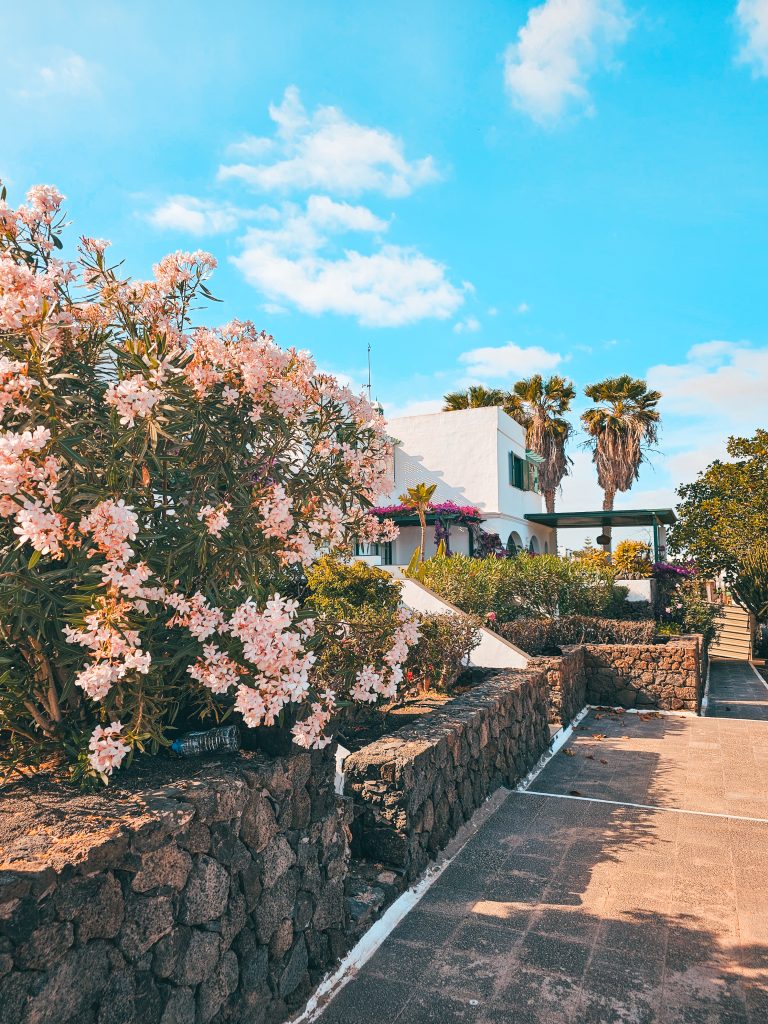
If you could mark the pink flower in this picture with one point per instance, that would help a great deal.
(132, 399)
(107, 748)
(215, 518)
(112, 524)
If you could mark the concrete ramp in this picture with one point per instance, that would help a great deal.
(493, 651)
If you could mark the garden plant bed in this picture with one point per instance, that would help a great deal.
(366, 725)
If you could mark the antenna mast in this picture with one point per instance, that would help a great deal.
(368, 385)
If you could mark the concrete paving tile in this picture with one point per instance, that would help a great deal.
(567, 922)
(631, 932)
(404, 961)
(515, 888)
(627, 1007)
(537, 997)
(424, 927)
(368, 1000)
(440, 1008)
(555, 954)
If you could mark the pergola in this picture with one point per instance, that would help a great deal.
(657, 518)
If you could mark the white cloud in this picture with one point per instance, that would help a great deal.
(752, 22)
(471, 325)
(70, 75)
(197, 216)
(328, 151)
(561, 44)
(509, 360)
(294, 261)
(299, 253)
(417, 407)
(523, 308)
(722, 381)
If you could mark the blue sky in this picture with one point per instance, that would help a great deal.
(478, 190)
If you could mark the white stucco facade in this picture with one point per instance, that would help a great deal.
(466, 454)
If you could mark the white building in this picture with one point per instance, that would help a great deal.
(476, 457)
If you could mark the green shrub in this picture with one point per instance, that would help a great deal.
(632, 560)
(538, 635)
(629, 611)
(691, 612)
(524, 585)
(445, 643)
(340, 589)
(472, 584)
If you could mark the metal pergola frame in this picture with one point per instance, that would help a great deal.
(654, 517)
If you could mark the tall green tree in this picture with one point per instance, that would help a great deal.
(722, 520)
(418, 498)
(620, 428)
(540, 406)
(475, 397)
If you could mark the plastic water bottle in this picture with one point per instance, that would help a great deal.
(224, 739)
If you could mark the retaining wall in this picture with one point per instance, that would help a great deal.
(207, 900)
(567, 684)
(665, 676)
(414, 790)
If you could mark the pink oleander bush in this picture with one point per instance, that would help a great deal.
(162, 489)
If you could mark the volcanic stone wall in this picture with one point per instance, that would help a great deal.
(214, 899)
(413, 790)
(567, 682)
(666, 676)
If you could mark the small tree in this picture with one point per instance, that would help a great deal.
(162, 487)
(722, 518)
(418, 498)
(475, 397)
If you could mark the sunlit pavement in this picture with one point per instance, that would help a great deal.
(629, 884)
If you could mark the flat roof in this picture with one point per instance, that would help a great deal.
(619, 517)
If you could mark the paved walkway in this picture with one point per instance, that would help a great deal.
(739, 693)
(630, 885)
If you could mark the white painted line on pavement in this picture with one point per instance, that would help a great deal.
(754, 669)
(644, 807)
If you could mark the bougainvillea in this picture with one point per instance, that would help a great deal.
(440, 508)
(162, 488)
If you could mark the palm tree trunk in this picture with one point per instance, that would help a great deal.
(549, 504)
(608, 499)
(423, 523)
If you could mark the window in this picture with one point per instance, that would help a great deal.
(523, 474)
(518, 472)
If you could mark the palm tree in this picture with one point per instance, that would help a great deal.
(475, 397)
(621, 428)
(418, 498)
(540, 407)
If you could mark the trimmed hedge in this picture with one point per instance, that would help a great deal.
(525, 585)
(541, 635)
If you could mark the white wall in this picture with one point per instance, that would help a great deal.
(466, 454)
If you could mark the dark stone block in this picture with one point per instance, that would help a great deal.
(206, 894)
(147, 920)
(217, 988)
(180, 1008)
(95, 904)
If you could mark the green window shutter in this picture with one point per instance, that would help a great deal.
(518, 472)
